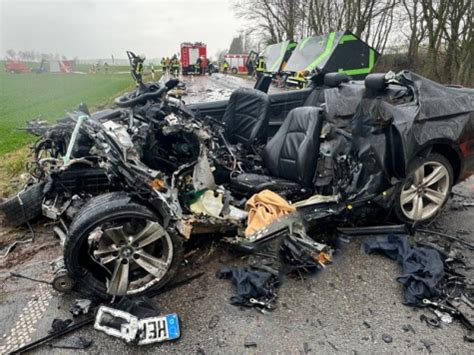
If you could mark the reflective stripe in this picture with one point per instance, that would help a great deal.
(303, 43)
(347, 38)
(361, 71)
(322, 56)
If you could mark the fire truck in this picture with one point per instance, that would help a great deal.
(190, 52)
(237, 63)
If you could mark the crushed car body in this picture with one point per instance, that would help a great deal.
(127, 186)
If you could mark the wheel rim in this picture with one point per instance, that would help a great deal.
(423, 196)
(136, 254)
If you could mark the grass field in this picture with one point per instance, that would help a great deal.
(48, 95)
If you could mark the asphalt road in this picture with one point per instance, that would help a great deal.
(353, 306)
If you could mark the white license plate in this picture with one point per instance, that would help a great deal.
(158, 329)
(126, 326)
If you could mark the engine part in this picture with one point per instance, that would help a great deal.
(62, 281)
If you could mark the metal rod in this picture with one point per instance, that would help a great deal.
(374, 230)
(36, 343)
(462, 241)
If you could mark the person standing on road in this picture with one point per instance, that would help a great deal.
(261, 67)
(204, 64)
(175, 65)
(225, 67)
(167, 65)
(163, 65)
(137, 68)
(198, 66)
(152, 69)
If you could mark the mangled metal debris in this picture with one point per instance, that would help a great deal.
(126, 187)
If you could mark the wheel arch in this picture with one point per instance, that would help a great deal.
(447, 149)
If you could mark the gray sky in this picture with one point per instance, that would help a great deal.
(99, 28)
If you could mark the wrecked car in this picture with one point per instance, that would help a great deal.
(127, 186)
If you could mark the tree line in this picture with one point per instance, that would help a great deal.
(433, 37)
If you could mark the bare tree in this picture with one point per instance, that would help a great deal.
(439, 30)
(11, 53)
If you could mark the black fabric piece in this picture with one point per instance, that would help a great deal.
(141, 307)
(246, 117)
(59, 324)
(423, 268)
(249, 283)
(74, 342)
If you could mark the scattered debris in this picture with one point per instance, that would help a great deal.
(468, 339)
(59, 325)
(250, 343)
(387, 338)
(428, 344)
(254, 287)
(71, 328)
(15, 274)
(431, 322)
(214, 321)
(73, 342)
(444, 235)
(80, 306)
(408, 328)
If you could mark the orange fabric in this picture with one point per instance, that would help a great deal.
(263, 208)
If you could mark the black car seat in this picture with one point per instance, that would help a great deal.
(331, 80)
(290, 157)
(246, 117)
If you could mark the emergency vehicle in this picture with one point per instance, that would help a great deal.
(237, 63)
(190, 52)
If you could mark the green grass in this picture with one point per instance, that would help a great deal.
(49, 96)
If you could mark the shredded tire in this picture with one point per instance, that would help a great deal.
(23, 207)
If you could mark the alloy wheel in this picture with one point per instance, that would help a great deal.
(136, 254)
(424, 195)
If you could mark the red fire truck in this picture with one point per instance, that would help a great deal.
(15, 66)
(237, 63)
(190, 52)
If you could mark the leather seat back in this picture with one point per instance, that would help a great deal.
(293, 151)
(246, 117)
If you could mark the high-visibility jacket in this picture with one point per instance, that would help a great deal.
(260, 65)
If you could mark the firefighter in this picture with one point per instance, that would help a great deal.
(167, 64)
(137, 68)
(163, 65)
(225, 67)
(175, 64)
(197, 66)
(261, 68)
(204, 65)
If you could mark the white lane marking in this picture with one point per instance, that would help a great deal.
(21, 331)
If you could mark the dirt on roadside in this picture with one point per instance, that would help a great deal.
(17, 246)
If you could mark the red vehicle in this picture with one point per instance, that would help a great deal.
(237, 63)
(190, 54)
(16, 67)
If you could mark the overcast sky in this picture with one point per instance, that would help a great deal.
(99, 28)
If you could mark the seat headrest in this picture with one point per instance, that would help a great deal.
(375, 82)
(335, 79)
